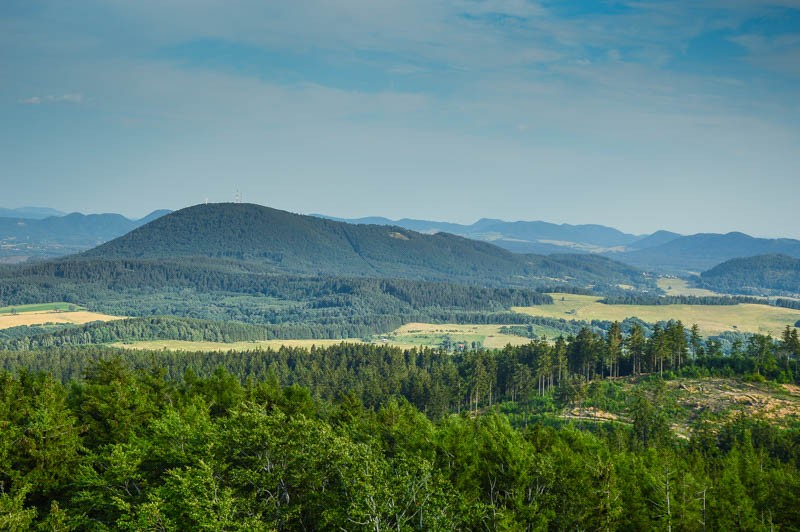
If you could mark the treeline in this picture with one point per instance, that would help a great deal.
(645, 299)
(191, 329)
(438, 382)
(134, 450)
(314, 307)
(90, 279)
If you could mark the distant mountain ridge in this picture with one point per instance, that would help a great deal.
(519, 236)
(280, 241)
(61, 235)
(32, 213)
(705, 250)
(661, 251)
(23, 238)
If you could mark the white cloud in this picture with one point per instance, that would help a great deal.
(65, 98)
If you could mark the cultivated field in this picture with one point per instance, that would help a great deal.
(712, 319)
(673, 286)
(433, 335)
(78, 317)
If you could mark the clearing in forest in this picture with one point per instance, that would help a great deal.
(712, 319)
(672, 286)
(435, 335)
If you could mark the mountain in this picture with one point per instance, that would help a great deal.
(520, 236)
(278, 241)
(152, 216)
(32, 213)
(754, 275)
(420, 226)
(703, 251)
(656, 239)
(62, 235)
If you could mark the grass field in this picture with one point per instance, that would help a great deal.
(41, 307)
(673, 286)
(712, 319)
(43, 317)
(432, 335)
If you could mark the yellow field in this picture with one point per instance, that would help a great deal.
(712, 319)
(40, 318)
(680, 287)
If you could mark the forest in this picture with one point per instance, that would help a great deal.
(777, 274)
(362, 437)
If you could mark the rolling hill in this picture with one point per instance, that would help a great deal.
(758, 274)
(278, 241)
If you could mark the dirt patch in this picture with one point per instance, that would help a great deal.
(723, 397)
(591, 413)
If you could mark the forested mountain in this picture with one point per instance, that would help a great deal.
(758, 274)
(54, 236)
(656, 239)
(277, 241)
(703, 251)
(520, 236)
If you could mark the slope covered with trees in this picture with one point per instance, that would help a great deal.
(755, 275)
(278, 241)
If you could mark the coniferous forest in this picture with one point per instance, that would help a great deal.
(360, 437)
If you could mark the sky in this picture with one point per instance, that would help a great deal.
(641, 115)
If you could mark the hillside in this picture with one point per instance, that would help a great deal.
(757, 274)
(279, 241)
(705, 250)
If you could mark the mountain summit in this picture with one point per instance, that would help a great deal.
(279, 241)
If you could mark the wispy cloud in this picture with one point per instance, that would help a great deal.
(62, 98)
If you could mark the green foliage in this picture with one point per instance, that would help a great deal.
(210, 453)
(777, 273)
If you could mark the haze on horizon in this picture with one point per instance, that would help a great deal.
(637, 115)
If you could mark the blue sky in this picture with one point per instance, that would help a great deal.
(641, 115)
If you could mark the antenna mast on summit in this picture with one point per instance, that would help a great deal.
(238, 197)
